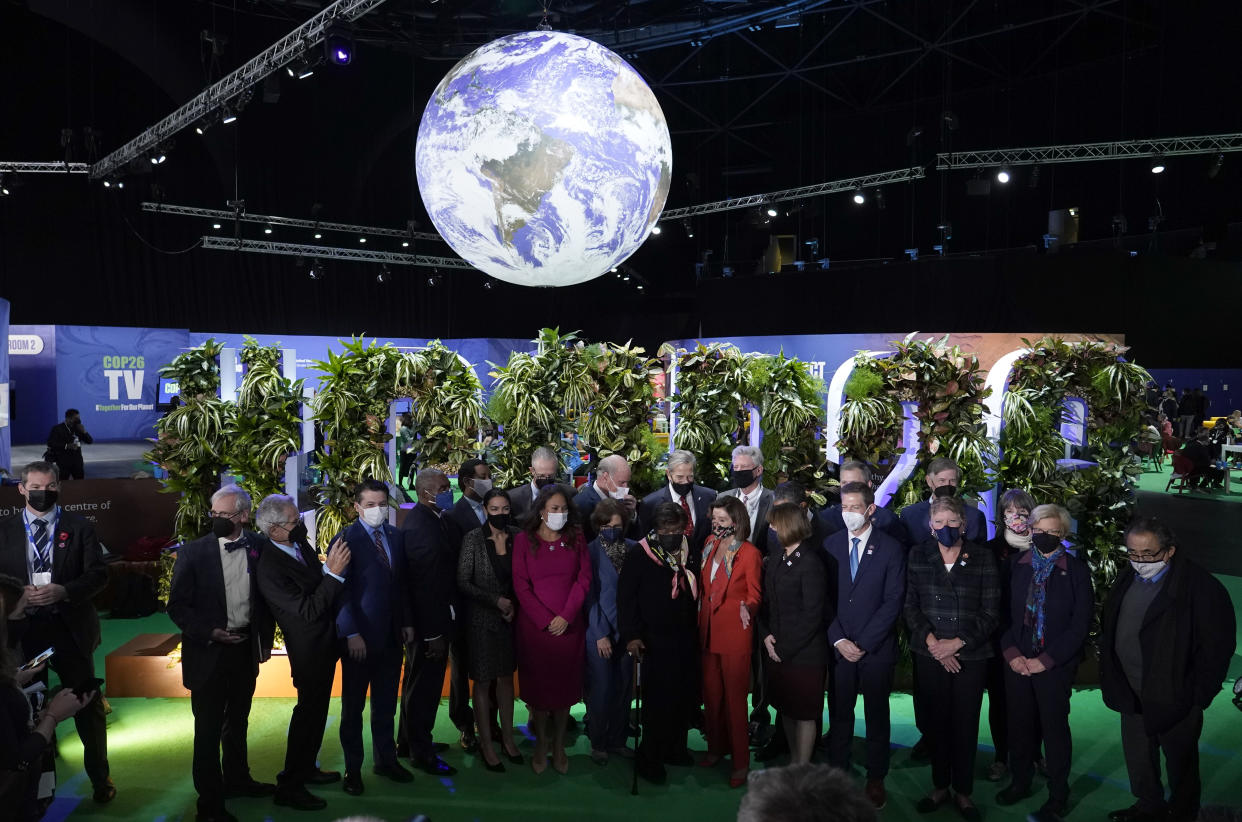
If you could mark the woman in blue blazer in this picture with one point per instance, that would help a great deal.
(609, 670)
(1050, 608)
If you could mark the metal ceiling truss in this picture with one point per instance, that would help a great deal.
(57, 167)
(1090, 152)
(228, 89)
(805, 192)
(333, 253)
(296, 222)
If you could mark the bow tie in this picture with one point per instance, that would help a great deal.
(230, 547)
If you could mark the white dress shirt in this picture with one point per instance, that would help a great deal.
(236, 584)
(689, 498)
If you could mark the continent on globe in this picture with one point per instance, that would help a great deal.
(543, 159)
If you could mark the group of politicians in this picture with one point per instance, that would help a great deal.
(684, 609)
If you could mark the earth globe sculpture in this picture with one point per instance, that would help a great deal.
(543, 159)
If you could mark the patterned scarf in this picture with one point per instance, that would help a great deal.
(729, 555)
(1035, 597)
(615, 551)
(681, 580)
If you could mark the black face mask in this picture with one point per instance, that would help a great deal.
(681, 488)
(43, 499)
(544, 482)
(221, 527)
(499, 521)
(298, 533)
(1045, 543)
(945, 491)
(744, 479)
(671, 542)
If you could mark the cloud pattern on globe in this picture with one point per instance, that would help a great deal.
(543, 159)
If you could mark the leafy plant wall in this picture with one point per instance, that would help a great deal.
(267, 425)
(619, 420)
(1101, 499)
(949, 388)
(792, 417)
(448, 412)
(538, 400)
(714, 384)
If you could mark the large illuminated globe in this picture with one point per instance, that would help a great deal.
(543, 159)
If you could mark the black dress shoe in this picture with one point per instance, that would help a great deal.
(1051, 810)
(516, 759)
(435, 766)
(469, 742)
(251, 788)
(930, 804)
(970, 813)
(298, 798)
(353, 783)
(394, 772)
(499, 767)
(322, 777)
(104, 792)
(1134, 814)
(1012, 795)
(921, 750)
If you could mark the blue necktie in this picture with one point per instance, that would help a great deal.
(854, 558)
(43, 562)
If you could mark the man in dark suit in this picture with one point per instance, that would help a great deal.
(429, 538)
(544, 467)
(612, 481)
(302, 596)
(943, 478)
(474, 478)
(747, 479)
(883, 518)
(64, 445)
(375, 621)
(56, 553)
(1167, 635)
(691, 498)
(226, 632)
(871, 588)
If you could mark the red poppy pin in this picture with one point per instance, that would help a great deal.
(64, 535)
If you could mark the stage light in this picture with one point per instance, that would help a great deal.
(200, 128)
(1214, 169)
(215, 226)
(405, 243)
(434, 279)
(879, 198)
(301, 67)
(772, 212)
(613, 270)
(267, 229)
(689, 227)
(640, 288)
(338, 43)
(385, 274)
(362, 240)
(859, 197)
(318, 235)
(112, 182)
(1157, 164)
(487, 285)
(4, 185)
(1002, 176)
(316, 270)
(655, 229)
(227, 114)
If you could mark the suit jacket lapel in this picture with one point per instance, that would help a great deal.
(215, 571)
(59, 553)
(864, 561)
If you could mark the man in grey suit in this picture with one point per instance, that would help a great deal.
(748, 487)
(544, 467)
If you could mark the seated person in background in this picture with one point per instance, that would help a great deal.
(1199, 452)
(883, 518)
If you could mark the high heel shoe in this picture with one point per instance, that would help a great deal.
(560, 764)
(498, 767)
(516, 758)
(738, 778)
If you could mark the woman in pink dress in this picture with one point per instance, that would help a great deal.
(551, 577)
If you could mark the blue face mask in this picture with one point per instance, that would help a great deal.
(610, 533)
(445, 501)
(948, 535)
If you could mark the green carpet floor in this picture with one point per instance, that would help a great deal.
(1156, 481)
(150, 746)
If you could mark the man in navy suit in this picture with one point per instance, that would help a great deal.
(683, 492)
(883, 519)
(871, 587)
(226, 632)
(474, 478)
(432, 558)
(544, 470)
(612, 481)
(375, 621)
(943, 478)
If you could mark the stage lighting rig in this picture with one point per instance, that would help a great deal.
(338, 43)
(859, 197)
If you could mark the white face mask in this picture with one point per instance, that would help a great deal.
(1147, 570)
(375, 517)
(621, 493)
(556, 521)
(481, 486)
(853, 520)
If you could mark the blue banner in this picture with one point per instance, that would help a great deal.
(32, 379)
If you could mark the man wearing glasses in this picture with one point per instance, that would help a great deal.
(226, 632)
(1167, 638)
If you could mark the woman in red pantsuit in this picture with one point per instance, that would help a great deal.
(551, 577)
(730, 581)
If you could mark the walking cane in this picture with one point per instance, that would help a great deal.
(638, 724)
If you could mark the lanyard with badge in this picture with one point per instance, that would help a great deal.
(41, 578)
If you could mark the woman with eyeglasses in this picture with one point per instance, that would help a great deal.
(1013, 537)
(1050, 608)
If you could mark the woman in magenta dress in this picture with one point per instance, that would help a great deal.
(551, 577)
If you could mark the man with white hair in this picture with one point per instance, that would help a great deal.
(682, 491)
(612, 481)
(544, 470)
(226, 632)
(302, 593)
(747, 478)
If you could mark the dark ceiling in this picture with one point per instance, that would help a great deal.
(759, 96)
